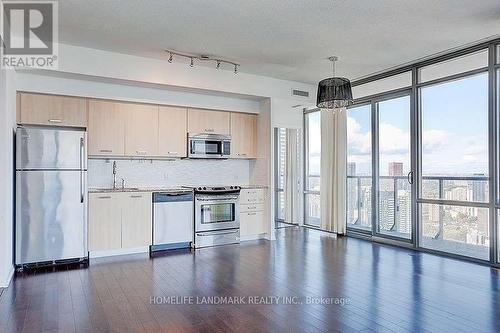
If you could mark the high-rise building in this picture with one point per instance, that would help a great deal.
(351, 168)
(395, 168)
(404, 208)
(479, 192)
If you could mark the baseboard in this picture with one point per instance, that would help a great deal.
(253, 237)
(118, 252)
(6, 282)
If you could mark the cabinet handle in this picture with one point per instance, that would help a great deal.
(242, 154)
(172, 153)
(104, 197)
(209, 130)
(105, 150)
(55, 120)
(136, 196)
(249, 214)
(141, 152)
(252, 207)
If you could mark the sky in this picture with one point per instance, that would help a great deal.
(454, 130)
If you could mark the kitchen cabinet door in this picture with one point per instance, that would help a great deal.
(40, 109)
(104, 218)
(172, 131)
(243, 135)
(208, 121)
(106, 128)
(141, 129)
(137, 220)
(252, 223)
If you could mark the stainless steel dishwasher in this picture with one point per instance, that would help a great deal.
(172, 220)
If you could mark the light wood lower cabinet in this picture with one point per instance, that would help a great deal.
(105, 219)
(252, 221)
(106, 129)
(40, 109)
(172, 131)
(119, 220)
(137, 220)
(252, 224)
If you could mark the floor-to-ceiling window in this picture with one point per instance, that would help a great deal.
(280, 154)
(359, 167)
(454, 187)
(312, 143)
(423, 155)
(431, 137)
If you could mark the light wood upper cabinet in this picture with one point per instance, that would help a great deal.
(172, 131)
(105, 218)
(106, 128)
(54, 110)
(141, 129)
(207, 121)
(243, 135)
(137, 220)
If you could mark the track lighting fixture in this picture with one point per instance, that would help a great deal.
(191, 58)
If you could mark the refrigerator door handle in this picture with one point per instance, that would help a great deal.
(82, 151)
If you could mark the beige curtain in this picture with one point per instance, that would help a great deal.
(333, 170)
(291, 177)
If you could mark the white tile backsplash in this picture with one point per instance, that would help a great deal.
(163, 173)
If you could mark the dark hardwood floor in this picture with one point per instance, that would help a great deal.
(385, 289)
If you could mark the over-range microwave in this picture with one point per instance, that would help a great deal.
(209, 146)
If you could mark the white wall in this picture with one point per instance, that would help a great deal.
(7, 120)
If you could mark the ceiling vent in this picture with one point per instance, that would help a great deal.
(300, 93)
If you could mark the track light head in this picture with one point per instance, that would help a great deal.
(218, 64)
(235, 69)
(171, 57)
(192, 62)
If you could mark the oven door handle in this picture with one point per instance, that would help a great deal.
(229, 200)
(217, 233)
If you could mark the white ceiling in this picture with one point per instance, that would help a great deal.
(280, 38)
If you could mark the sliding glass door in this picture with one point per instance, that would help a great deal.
(394, 176)
(359, 168)
(379, 167)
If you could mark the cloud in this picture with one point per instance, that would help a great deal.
(444, 152)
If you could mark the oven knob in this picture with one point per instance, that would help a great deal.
(231, 187)
(199, 188)
(204, 188)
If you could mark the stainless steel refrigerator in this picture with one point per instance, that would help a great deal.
(51, 195)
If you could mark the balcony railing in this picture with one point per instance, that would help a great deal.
(433, 187)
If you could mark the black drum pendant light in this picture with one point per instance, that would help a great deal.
(334, 92)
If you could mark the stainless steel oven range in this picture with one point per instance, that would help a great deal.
(216, 215)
